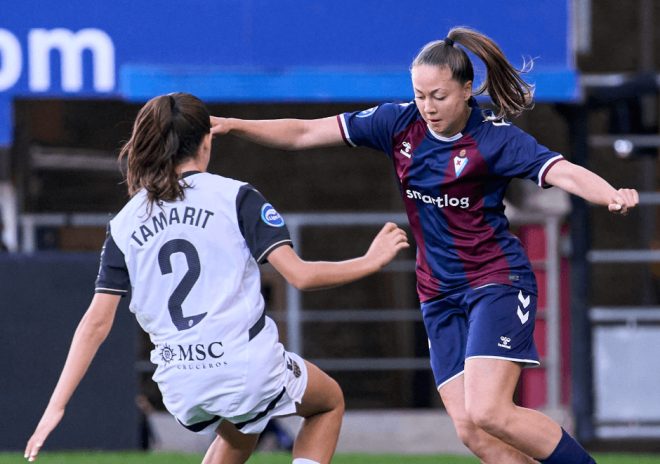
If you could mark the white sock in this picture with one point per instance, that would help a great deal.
(304, 461)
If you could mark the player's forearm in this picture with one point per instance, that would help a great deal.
(590, 186)
(86, 341)
(319, 275)
(286, 134)
(581, 182)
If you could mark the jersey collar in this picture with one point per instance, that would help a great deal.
(189, 173)
(475, 118)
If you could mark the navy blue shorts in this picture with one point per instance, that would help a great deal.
(494, 321)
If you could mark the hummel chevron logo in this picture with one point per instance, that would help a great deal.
(406, 149)
(505, 343)
(525, 302)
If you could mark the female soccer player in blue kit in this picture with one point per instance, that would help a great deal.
(188, 244)
(453, 162)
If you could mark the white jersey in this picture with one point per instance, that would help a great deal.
(196, 290)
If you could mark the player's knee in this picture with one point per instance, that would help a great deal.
(337, 397)
(489, 418)
(467, 432)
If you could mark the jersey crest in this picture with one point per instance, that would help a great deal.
(460, 162)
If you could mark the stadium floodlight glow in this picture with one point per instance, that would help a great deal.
(623, 148)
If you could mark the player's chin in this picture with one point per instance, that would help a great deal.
(437, 126)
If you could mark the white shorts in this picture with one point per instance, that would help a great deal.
(283, 403)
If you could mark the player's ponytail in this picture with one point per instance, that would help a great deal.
(168, 131)
(508, 91)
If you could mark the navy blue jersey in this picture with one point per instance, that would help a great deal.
(453, 191)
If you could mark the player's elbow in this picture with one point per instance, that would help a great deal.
(305, 277)
(95, 328)
(301, 281)
(303, 137)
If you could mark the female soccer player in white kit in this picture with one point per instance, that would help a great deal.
(188, 244)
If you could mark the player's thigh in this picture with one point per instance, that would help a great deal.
(453, 398)
(245, 442)
(490, 384)
(322, 394)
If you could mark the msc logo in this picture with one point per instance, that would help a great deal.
(270, 216)
(185, 353)
(70, 45)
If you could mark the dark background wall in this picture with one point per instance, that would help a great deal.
(44, 296)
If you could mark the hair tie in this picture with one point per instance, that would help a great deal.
(448, 42)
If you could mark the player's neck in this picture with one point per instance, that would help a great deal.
(191, 165)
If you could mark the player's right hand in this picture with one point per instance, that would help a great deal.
(46, 425)
(219, 126)
(624, 200)
(387, 244)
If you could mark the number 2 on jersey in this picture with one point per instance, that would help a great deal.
(183, 289)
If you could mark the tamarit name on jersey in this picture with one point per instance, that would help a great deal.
(191, 216)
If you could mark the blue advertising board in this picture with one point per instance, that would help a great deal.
(260, 50)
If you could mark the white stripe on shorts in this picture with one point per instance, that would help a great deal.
(528, 362)
(449, 380)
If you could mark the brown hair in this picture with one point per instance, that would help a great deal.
(508, 91)
(168, 131)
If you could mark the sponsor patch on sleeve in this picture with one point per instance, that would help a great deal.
(270, 216)
(365, 113)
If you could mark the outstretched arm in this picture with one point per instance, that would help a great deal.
(286, 134)
(91, 332)
(316, 275)
(584, 183)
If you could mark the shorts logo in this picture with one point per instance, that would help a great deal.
(293, 367)
(270, 216)
(525, 302)
(367, 113)
(505, 343)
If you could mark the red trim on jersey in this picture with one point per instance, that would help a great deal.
(547, 169)
(474, 239)
(403, 146)
(341, 130)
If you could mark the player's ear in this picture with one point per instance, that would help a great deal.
(467, 90)
(206, 142)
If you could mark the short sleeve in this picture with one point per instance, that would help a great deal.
(522, 156)
(373, 128)
(261, 225)
(113, 274)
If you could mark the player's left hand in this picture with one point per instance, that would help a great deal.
(219, 126)
(386, 245)
(623, 200)
(46, 425)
